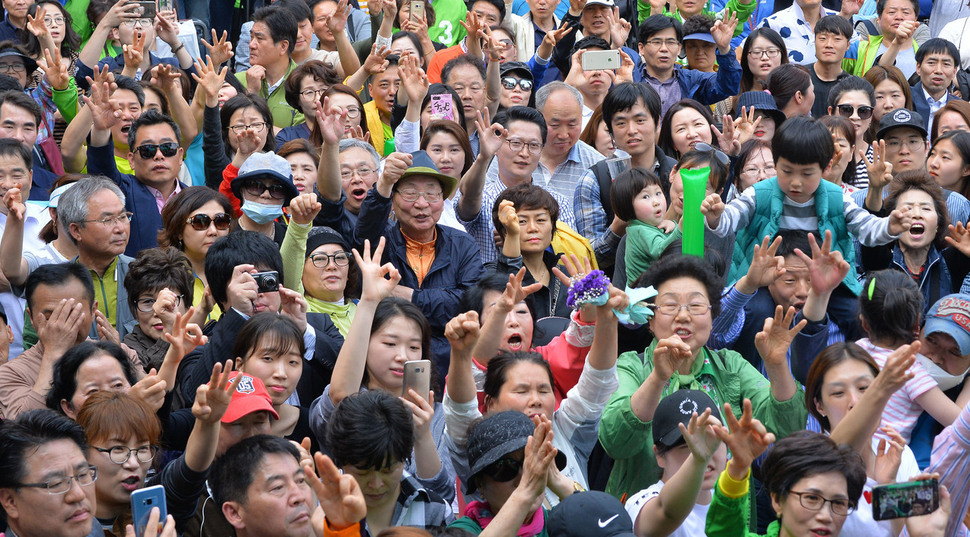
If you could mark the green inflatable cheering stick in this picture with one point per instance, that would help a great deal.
(695, 190)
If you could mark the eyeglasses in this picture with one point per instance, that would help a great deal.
(136, 22)
(914, 144)
(765, 52)
(147, 305)
(341, 259)
(202, 221)
(509, 83)
(50, 22)
(718, 154)
(672, 308)
(313, 93)
(257, 127)
(147, 151)
(361, 172)
(122, 218)
(814, 502)
(503, 470)
(121, 454)
(412, 196)
(353, 112)
(516, 145)
(769, 171)
(657, 43)
(846, 110)
(16, 67)
(255, 188)
(60, 485)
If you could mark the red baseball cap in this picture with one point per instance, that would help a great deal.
(250, 396)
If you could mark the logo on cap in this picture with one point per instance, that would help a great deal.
(245, 385)
(902, 116)
(690, 403)
(957, 309)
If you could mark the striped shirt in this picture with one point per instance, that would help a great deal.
(902, 411)
(951, 458)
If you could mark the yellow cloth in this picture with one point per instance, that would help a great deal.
(731, 488)
(107, 295)
(420, 255)
(340, 314)
(379, 131)
(197, 293)
(567, 241)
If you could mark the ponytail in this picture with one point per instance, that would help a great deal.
(891, 306)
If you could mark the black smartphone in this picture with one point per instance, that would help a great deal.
(903, 500)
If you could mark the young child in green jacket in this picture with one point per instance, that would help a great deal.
(638, 197)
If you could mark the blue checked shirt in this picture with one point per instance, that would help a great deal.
(563, 179)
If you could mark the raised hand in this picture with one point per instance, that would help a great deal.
(889, 455)
(576, 7)
(164, 76)
(36, 24)
(896, 373)
(394, 167)
(106, 332)
(304, 208)
(508, 218)
(904, 32)
(378, 281)
(729, 139)
(167, 28)
(657, 7)
(935, 523)
(880, 170)
(330, 121)
(747, 439)
(959, 238)
(150, 389)
(700, 435)
(185, 336)
(338, 21)
(220, 50)
(625, 72)
(712, 208)
(746, 125)
(515, 292)
(574, 268)
(669, 355)
(242, 291)
(549, 41)
(826, 267)
(723, 31)
(210, 78)
(134, 53)
(619, 28)
(766, 267)
(775, 338)
(472, 24)
(900, 220)
(339, 494)
(413, 78)
(294, 306)
(376, 61)
(105, 111)
(13, 201)
(247, 142)
(119, 12)
(491, 137)
(462, 332)
(539, 455)
(212, 399)
(850, 8)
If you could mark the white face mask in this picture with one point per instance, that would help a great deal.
(944, 379)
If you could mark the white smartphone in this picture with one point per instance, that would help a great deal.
(594, 60)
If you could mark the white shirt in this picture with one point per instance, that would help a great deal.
(860, 522)
(955, 32)
(934, 106)
(694, 523)
(13, 306)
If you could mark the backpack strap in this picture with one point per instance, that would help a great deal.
(602, 174)
(871, 27)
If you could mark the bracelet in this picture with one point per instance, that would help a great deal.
(178, 48)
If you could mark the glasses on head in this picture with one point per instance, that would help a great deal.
(201, 222)
(313, 94)
(136, 22)
(16, 67)
(257, 127)
(718, 154)
(673, 308)
(770, 52)
(123, 218)
(256, 188)
(147, 151)
(846, 110)
(361, 172)
(657, 42)
(51, 21)
(412, 196)
(814, 502)
(503, 470)
(60, 485)
(516, 145)
(913, 144)
(321, 260)
(509, 83)
(121, 454)
(474, 88)
(147, 305)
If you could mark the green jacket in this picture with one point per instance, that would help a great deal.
(830, 208)
(284, 115)
(744, 11)
(630, 441)
(644, 244)
(728, 517)
(862, 54)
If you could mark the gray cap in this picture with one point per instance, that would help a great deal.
(266, 166)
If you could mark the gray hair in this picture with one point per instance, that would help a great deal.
(542, 95)
(349, 143)
(72, 208)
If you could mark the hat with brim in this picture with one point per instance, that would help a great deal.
(589, 514)
(898, 119)
(951, 316)
(265, 166)
(762, 102)
(29, 62)
(607, 3)
(250, 396)
(516, 67)
(700, 36)
(422, 165)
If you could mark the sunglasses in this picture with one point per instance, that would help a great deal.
(510, 82)
(148, 151)
(503, 470)
(201, 222)
(718, 154)
(846, 110)
(255, 188)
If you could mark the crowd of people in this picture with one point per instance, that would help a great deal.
(672, 268)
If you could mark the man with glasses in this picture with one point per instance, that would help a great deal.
(155, 157)
(342, 193)
(796, 24)
(516, 162)
(437, 263)
(47, 484)
(937, 62)
(659, 40)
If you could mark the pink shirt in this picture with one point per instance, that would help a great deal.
(159, 199)
(902, 411)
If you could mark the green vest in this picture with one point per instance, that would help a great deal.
(764, 222)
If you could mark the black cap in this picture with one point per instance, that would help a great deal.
(522, 67)
(324, 235)
(589, 514)
(900, 117)
(762, 102)
(678, 408)
(495, 437)
(29, 63)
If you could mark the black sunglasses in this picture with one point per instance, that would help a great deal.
(846, 110)
(256, 188)
(201, 222)
(509, 83)
(148, 151)
(503, 470)
(718, 154)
